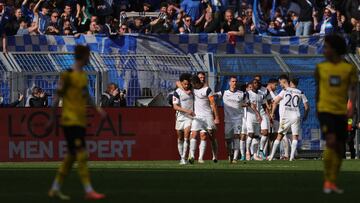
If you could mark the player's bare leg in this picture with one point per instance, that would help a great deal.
(180, 145)
(202, 147)
(293, 147)
(242, 147)
(192, 149)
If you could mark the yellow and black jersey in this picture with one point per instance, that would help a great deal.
(75, 98)
(334, 81)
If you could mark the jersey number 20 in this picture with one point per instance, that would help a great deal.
(292, 101)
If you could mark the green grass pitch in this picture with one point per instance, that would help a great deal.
(166, 181)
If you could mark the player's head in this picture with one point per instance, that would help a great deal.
(272, 84)
(111, 87)
(82, 54)
(249, 86)
(185, 80)
(196, 82)
(258, 78)
(284, 81)
(294, 82)
(202, 76)
(233, 82)
(255, 84)
(334, 47)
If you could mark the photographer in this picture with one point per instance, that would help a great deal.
(112, 97)
(38, 98)
(13, 104)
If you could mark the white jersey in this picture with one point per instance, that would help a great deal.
(233, 102)
(290, 102)
(202, 102)
(258, 99)
(266, 93)
(184, 100)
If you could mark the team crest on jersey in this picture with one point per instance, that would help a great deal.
(334, 80)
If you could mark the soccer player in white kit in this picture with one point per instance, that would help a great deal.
(205, 120)
(265, 125)
(234, 102)
(254, 116)
(289, 99)
(244, 135)
(213, 140)
(183, 104)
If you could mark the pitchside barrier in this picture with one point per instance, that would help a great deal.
(125, 134)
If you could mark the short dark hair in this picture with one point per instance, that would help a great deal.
(272, 81)
(284, 77)
(195, 79)
(201, 72)
(295, 81)
(232, 76)
(337, 42)
(22, 20)
(185, 76)
(258, 76)
(81, 52)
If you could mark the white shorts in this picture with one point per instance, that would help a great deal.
(265, 122)
(289, 123)
(243, 127)
(252, 125)
(203, 124)
(183, 124)
(233, 128)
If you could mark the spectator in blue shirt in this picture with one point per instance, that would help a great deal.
(192, 8)
(42, 17)
(27, 10)
(328, 24)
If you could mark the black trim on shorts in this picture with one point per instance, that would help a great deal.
(75, 138)
(334, 124)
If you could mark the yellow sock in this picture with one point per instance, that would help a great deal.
(63, 171)
(332, 162)
(83, 170)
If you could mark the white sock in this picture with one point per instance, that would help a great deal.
(55, 186)
(248, 143)
(88, 188)
(236, 148)
(180, 147)
(262, 142)
(266, 146)
(254, 146)
(202, 148)
(192, 148)
(274, 148)
(185, 147)
(242, 147)
(293, 149)
(214, 148)
(286, 146)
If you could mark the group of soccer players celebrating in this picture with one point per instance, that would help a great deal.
(255, 117)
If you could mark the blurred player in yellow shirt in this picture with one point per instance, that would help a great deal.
(72, 88)
(336, 83)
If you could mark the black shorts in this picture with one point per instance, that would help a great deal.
(75, 138)
(334, 124)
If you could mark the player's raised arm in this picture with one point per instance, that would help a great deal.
(214, 109)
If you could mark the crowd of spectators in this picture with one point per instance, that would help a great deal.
(235, 17)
